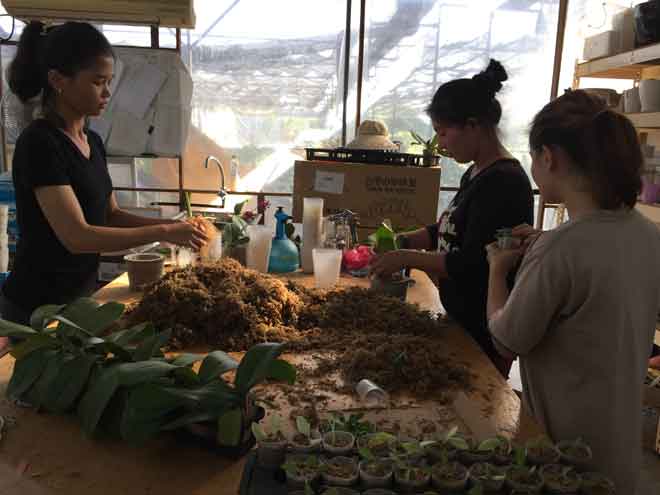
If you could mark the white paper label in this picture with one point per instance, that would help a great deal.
(329, 182)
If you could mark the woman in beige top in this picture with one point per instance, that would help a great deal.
(582, 313)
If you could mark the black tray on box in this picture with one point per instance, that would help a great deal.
(376, 157)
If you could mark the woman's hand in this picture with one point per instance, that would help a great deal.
(503, 260)
(390, 262)
(527, 235)
(189, 234)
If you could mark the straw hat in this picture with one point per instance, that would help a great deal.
(372, 135)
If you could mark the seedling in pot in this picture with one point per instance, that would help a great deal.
(376, 445)
(271, 443)
(376, 473)
(340, 471)
(338, 442)
(448, 447)
(542, 451)
(301, 470)
(478, 452)
(335, 490)
(410, 477)
(576, 453)
(524, 479)
(353, 423)
(378, 491)
(502, 451)
(489, 476)
(561, 479)
(449, 476)
(597, 484)
(306, 440)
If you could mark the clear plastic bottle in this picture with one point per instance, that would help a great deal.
(234, 170)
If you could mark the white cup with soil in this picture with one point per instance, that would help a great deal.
(525, 479)
(450, 476)
(301, 470)
(477, 452)
(144, 269)
(376, 473)
(340, 471)
(305, 440)
(489, 476)
(338, 442)
(576, 453)
(410, 478)
(377, 445)
(560, 479)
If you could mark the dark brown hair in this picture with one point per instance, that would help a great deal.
(602, 143)
(67, 48)
(461, 99)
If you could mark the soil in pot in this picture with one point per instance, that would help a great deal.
(473, 455)
(376, 473)
(502, 455)
(271, 452)
(411, 478)
(441, 452)
(489, 476)
(379, 445)
(575, 453)
(561, 479)
(339, 490)
(301, 469)
(597, 484)
(540, 453)
(524, 479)
(338, 442)
(449, 476)
(302, 444)
(340, 471)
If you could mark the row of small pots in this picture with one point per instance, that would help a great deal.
(453, 476)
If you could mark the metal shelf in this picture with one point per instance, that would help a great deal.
(626, 65)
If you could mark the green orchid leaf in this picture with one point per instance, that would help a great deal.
(216, 364)
(11, 329)
(230, 426)
(34, 342)
(27, 371)
(43, 315)
(255, 365)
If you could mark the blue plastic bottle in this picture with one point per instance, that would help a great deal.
(8, 197)
(284, 256)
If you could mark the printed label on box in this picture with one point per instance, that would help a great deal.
(329, 182)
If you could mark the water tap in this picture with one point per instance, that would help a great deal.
(222, 192)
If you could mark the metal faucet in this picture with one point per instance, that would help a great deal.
(222, 193)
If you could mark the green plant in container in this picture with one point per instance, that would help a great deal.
(430, 148)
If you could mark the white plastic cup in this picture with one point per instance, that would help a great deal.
(327, 265)
(312, 231)
(258, 249)
(215, 247)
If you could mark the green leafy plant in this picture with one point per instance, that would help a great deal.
(352, 423)
(429, 146)
(122, 382)
(274, 432)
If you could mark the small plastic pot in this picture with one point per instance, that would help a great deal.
(581, 462)
(340, 490)
(530, 486)
(335, 480)
(552, 472)
(370, 480)
(378, 491)
(298, 480)
(384, 449)
(549, 455)
(338, 442)
(270, 454)
(489, 484)
(313, 446)
(597, 484)
(410, 484)
(435, 452)
(455, 483)
(470, 457)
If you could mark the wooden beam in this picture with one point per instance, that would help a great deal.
(360, 67)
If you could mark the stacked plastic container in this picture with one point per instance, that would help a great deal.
(8, 224)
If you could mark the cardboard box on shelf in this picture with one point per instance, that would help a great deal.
(601, 45)
(408, 196)
(624, 24)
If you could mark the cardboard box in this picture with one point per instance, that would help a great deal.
(624, 24)
(601, 45)
(408, 196)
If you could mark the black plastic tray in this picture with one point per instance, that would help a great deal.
(376, 157)
(260, 481)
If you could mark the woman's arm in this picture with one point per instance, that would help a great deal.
(418, 239)
(121, 218)
(394, 261)
(65, 216)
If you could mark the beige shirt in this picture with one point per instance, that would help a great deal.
(582, 316)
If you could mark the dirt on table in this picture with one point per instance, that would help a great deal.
(362, 334)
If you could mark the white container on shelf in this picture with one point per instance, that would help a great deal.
(649, 95)
(601, 45)
(624, 23)
(257, 255)
(312, 230)
(631, 101)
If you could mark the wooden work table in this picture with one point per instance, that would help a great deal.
(60, 457)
